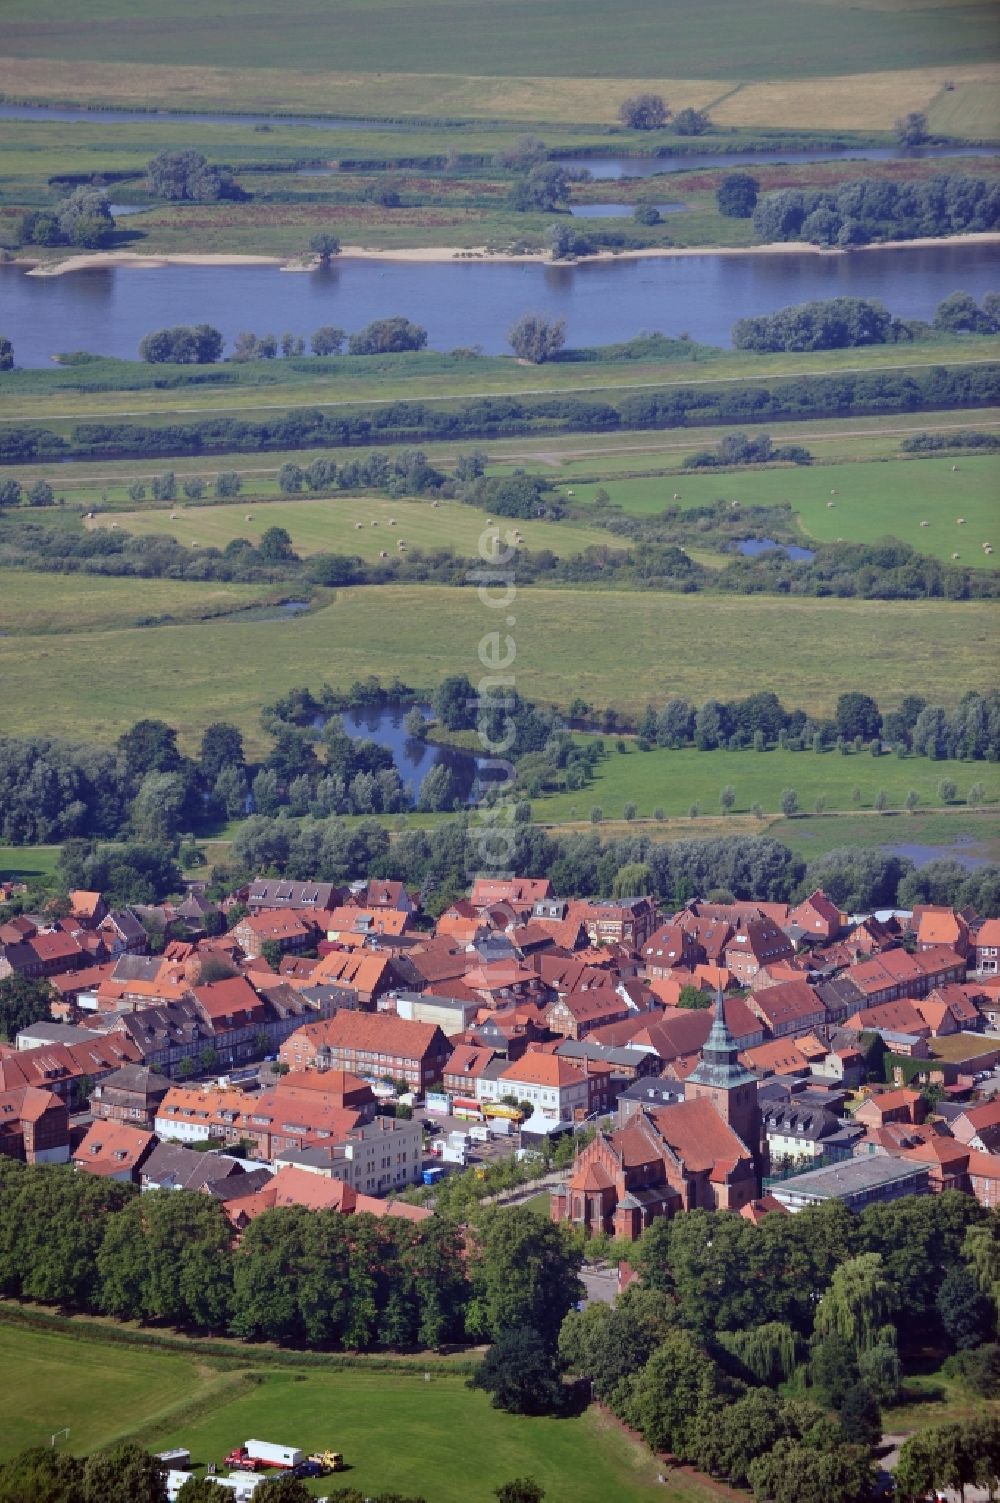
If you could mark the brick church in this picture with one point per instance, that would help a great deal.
(704, 1152)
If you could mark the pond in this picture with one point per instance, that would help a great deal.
(752, 547)
(460, 303)
(961, 850)
(413, 756)
(619, 211)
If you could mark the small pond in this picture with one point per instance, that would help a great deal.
(413, 756)
(961, 850)
(752, 547)
(619, 211)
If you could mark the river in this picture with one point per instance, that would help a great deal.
(107, 310)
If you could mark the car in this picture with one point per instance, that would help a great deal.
(308, 1469)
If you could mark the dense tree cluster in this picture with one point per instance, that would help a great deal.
(188, 177)
(830, 325)
(186, 344)
(727, 1311)
(82, 219)
(736, 195)
(387, 336)
(745, 448)
(643, 112)
(950, 203)
(964, 438)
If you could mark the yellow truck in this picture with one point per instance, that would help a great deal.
(330, 1461)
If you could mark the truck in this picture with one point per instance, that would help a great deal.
(330, 1461)
(255, 1455)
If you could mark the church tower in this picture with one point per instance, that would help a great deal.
(730, 1087)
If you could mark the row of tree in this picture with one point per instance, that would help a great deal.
(201, 344)
(971, 731)
(297, 1277)
(838, 395)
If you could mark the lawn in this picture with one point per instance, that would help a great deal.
(677, 780)
(349, 523)
(857, 501)
(447, 1443)
(40, 604)
(614, 648)
(59, 1379)
(28, 863)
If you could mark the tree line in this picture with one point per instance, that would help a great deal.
(875, 208)
(312, 1279)
(201, 344)
(842, 394)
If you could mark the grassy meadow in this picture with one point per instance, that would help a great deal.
(851, 502)
(63, 395)
(676, 781)
(610, 647)
(349, 523)
(447, 1442)
(39, 604)
(575, 39)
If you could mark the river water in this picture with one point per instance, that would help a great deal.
(462, 303)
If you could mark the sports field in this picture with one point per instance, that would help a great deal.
(677, 780)
(434, 1437)
(347, 523)
(610, 647)
(941, 506)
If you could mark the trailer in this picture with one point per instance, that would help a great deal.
(253, 1455)
(178, 1459)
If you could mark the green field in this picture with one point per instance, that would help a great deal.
(39, 604)
(103, 388)
(28, 863)
(435, 1437)
(349, 523)
(570, 38)
(675, 780)
(852, 502)
(610, 647)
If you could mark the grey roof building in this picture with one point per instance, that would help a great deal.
(856, 1183)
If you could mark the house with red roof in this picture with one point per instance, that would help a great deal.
(987, 947)
(939, 927)
(577, 1014)
(817, 918)
(790, 1007)
(372, 1045)
(34, 1125)
(115, 1150)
